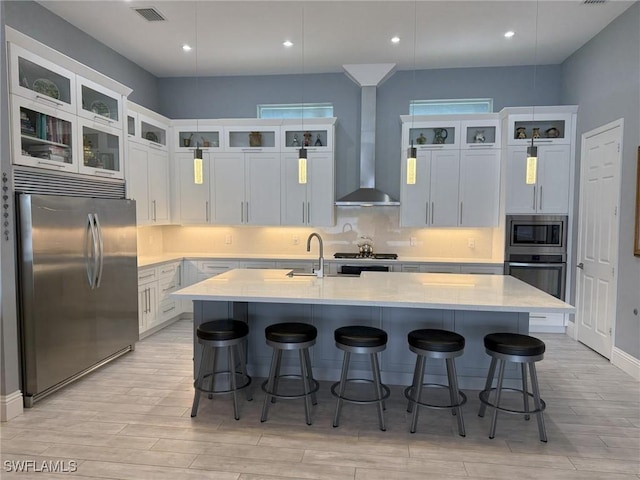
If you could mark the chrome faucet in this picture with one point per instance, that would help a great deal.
(320, 271)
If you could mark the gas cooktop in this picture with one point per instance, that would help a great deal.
(374, 256)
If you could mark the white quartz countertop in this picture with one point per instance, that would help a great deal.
(380, 289)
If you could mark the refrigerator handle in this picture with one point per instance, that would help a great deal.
(90, 253)
(100, 251)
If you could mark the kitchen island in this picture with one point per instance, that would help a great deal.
(472, 305)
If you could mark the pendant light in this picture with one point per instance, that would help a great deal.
(302, 152)
(198, 175)
(412, 152)
(531, 170)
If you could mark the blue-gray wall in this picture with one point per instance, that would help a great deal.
(603, 77)
(37, 22)
(230, 97)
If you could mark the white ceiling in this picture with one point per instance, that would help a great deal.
(245, 37)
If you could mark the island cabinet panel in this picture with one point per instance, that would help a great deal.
(397, 358)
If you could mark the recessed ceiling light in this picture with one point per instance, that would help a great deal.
(186, 48)
(509, 34)
(287, 43)
(395, 39)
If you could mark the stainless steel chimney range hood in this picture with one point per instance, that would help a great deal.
(368, 77)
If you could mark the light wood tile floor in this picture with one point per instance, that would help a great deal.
(131, 420)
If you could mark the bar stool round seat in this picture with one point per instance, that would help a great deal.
(439, 344)
(212, 335)
(290, 336)
(367, 340)
(517, 348)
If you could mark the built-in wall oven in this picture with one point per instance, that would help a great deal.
(536, 251)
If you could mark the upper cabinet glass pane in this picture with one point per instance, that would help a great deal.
(153, 133)
(44, 81)
(131, 125)
(99, 103)
(100, 149)
(45, 136)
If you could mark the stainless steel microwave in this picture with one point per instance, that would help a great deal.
(536, 234)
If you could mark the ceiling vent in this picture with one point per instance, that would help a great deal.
(150, 14)
(593, 2)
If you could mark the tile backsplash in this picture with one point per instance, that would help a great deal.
(378, 223)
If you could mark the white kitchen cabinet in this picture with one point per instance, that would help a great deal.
(246, 188)
(482, 269)
(147, 298)
(310, 203)
(548, 126)
(314, 134)
(101, 149)
(148, 183)
(155, 285)
(98, 103)
(550, 193)
(43, 136)
(257, 264)
(479, 187)
(457, 174)
(297, 266)
(62, 120)
(430, 268)
(433, 200)
(191, 134)
(153, 129)
(42, 81)
(252, 136)
(192, 202)
(200, 270)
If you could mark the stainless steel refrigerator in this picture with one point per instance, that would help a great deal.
(78, 287)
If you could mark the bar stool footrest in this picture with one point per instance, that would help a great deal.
(409, 390)
(386, 392)
(315, 386)
(484, 398)
(247, 382)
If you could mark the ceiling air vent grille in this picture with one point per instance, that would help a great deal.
(594, 2)
(150, 14)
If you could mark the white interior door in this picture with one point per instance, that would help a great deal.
(598, 237)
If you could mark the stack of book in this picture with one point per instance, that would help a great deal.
(51, 152)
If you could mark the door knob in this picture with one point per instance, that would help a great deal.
(580, 266)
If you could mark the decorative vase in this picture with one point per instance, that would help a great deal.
(255, 139)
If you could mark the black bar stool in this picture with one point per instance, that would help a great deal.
(218, 334)
(290, 336)
(362, 340)
(522, 349)
(430, 343)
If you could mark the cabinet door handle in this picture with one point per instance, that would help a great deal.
(308, 212)
(206, 210)
(460, 213)
(153, 202)
(432, 212)
(247, 220)
(108, 173)
(50, 100)
(303, 221)
(540, 197)
(241, 212)
(534, 198)
(101, 119)
(426, 215)
(51, 164)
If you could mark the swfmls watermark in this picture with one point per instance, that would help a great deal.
(42, 466)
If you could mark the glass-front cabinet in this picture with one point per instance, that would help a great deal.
(432, 135)
(152, 132)
(101, 150)
(544, 128)
(480, 133)
(42, 81)
(45, 136)
(189, 135)
(99, 103)
(252, 138)
(312, 134)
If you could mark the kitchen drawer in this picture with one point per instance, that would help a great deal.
(169, 270)
(166, 286)
(298, 267)
(147, 275)
(168, 309)
(483, 269)
(208, 269)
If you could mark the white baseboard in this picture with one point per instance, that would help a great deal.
(572, 331)
(10, 406)
(625, 362)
